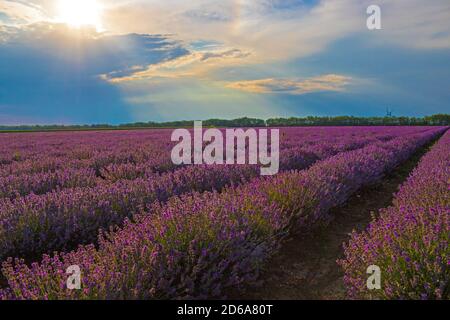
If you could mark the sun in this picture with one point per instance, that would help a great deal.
(79, 13)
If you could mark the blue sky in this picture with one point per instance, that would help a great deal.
(69, 61)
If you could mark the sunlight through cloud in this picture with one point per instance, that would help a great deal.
(80, 13)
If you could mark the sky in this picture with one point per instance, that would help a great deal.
(120, 61)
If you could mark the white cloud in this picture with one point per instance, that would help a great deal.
(329, 82)
(21, 12)
(195, 64)
(286, 29)
(270, 29)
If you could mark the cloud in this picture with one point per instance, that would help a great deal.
(209, 16)
(96, 52)
(416, 24)
(194, 64)
(275, 30)
(329, 82)
(206, 53)
(288, 29)
(20, 12)
(48, 69)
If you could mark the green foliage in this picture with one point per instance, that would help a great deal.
(434, 120)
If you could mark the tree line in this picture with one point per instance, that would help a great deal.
(434, 120)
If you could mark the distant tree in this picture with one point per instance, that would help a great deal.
(434, 120)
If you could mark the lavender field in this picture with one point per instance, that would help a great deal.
(140, 227)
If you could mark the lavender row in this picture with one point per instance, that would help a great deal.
(291, 157)
(53, 174)
(16, 186)
(61, 220)
(99, 160)
(200, 245)
(78, 145)
(62, 175)
(42, 152)
(410, 240)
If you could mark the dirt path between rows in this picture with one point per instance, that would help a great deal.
(306, 268)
